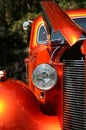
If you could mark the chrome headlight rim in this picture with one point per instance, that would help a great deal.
(44, 76)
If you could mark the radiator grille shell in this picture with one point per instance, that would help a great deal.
(74, 96)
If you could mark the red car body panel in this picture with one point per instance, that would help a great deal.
(24, 106)
(62, 22)
(34, 30)
(21, 109)
(76, 12)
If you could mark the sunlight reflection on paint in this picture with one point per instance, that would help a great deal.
(2, 107)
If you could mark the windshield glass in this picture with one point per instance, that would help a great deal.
(57, 36)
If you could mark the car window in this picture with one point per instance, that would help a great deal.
(42, 35)
(81, 22)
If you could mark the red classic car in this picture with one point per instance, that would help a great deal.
(55, 96)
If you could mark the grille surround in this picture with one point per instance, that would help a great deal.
(74, 106)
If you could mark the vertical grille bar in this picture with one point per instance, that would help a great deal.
(74, 110)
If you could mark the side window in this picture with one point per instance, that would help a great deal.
(42, 35)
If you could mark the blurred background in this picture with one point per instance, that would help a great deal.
(14, 41)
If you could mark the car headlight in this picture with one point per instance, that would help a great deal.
(44, 76)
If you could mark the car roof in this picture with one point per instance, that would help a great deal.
(74, 13)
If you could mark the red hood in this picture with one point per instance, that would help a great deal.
(60, 20)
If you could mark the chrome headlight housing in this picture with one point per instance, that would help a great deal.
(44, 76)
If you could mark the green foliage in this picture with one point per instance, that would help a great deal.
(71, 4)
(17, 25)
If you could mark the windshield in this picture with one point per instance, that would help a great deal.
(57, 36)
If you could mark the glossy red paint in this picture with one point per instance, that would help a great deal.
(83, 48)
(24, 106)
(39, 55)
(74, 13)
(22, 109)
(51, 104)
(62, 22)
(37, 22)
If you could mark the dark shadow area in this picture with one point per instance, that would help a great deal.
(12, 55)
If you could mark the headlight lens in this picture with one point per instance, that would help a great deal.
(44, 76)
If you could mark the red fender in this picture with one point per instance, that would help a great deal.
(19, 109)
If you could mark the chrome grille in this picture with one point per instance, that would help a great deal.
(74, 103)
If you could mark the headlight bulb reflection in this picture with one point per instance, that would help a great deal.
(44, 76)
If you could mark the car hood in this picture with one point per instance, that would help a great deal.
(57, 18)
